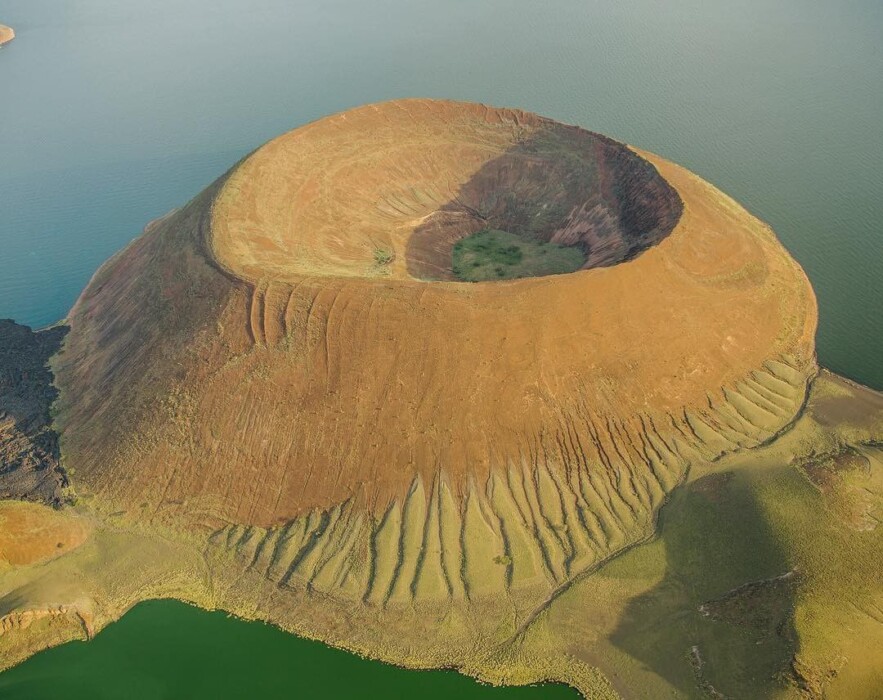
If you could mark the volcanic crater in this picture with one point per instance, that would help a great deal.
(407, 182)
(253, 357)
(290, 373)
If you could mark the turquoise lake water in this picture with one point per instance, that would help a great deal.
(112, 113)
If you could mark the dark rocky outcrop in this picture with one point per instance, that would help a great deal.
(29, 454)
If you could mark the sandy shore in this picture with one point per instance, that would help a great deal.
(6, 34)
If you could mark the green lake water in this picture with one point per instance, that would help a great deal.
(164, 649)
(112, 113)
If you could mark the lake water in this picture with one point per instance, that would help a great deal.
(111, 113)
(165, 649)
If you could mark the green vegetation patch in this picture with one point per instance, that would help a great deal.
(499, 255)
(383, 256)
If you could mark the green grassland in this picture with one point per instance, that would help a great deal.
(499, 255)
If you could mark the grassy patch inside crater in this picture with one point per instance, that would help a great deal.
(499, 255)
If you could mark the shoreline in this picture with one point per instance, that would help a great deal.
(7, 34)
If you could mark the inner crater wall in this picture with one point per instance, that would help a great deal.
(404, 181)
(562, 185)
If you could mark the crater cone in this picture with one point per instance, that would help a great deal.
(288, 361)
(412, 178)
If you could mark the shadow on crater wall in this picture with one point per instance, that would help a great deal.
(563, 185)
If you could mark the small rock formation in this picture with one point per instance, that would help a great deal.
(21, 620)
(6, 34)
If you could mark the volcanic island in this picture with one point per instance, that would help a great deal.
(450, 385)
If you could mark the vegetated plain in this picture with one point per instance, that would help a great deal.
(763, 580)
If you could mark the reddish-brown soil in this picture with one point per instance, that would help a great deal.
(32, 533)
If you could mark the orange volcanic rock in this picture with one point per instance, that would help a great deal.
(367, 425)
(6, 34)
(30, 533)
